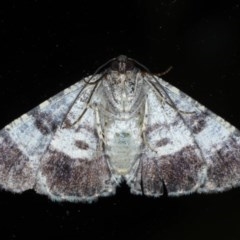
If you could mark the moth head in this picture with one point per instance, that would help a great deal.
(122, 64)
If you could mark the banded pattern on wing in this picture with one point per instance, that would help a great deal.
(75, 167)
(218, 141)
(25, 140)
(63, 177)
(170, 157)
(145, 177)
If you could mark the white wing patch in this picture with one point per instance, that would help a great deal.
(121, 124)
(217, 140)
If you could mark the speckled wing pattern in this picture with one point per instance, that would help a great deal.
(32, 150)
(123, 124)
(195, 150)
(218, 141)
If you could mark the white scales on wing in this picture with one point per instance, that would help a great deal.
(121, 124)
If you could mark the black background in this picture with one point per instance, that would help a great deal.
(45, 46)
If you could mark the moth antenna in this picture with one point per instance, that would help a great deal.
(140, 64)
(99, 69)
(147, 70)
(165, 72)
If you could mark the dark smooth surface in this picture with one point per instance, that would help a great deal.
(46, 46)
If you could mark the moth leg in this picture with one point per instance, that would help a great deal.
(99, 128)
(103, 142)
(144, 124)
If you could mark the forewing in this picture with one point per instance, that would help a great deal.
(75, 167)
(216, 141)
(170, 157)
(24, 141)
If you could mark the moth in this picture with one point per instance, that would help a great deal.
(120, 124)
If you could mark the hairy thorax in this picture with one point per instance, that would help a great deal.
(122, 118)
(123, 93)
